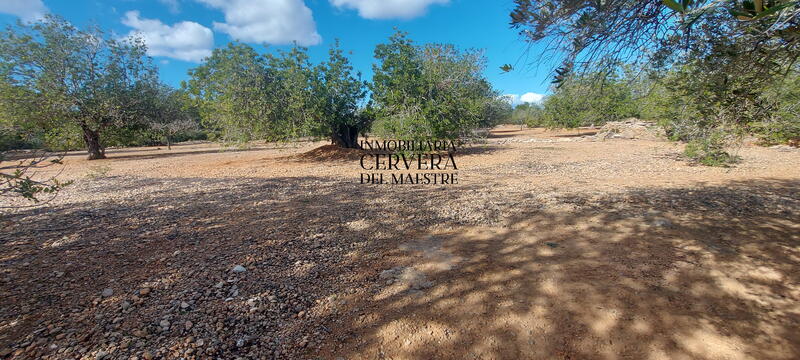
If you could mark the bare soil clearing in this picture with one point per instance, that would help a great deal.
(554, 245)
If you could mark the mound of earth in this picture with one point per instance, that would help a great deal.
(630, 129)
(330, 152)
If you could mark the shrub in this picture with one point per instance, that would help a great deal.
(710, 150)
(591, 99)
(431, 91)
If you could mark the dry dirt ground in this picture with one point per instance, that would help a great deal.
(552, 246)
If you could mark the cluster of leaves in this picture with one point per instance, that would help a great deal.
(529, 114)
(782, 125)
(432, 90)
(597, 34)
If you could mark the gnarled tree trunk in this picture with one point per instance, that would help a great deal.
(346, 136)
(92, 139)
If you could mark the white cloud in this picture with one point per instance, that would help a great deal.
(26, 9)
(173, 5)
(388, 9)
(512, 99)
(186, 40)
(531, 97)
(267, 21)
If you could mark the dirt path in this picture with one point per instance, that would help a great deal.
(552, 246)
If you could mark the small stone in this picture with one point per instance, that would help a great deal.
(144, 291)
(239, 269)
(126, 305)
(662, 223)
(164, 324)
(188, 325)
(108, 292)
(184, 305)
(140, 333)
(101, 355)
(147, 355)
(388, 274)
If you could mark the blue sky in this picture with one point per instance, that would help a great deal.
(180, 32)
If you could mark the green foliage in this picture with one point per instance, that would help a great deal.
(52, 74)
(710, 150)
(20, 183)
(529, 114)
(717, 61)
(245, 96)
(430, 91)
(173, 117)
(295, 99)
(783, 124)
(340, 94)
(229, 90)
(592, 99)
(497, 111)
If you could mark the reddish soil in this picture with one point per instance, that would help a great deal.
(552, 246)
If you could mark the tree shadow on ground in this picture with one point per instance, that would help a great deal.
(502, 134)
(159, 152)
(577, 276)
(303, 241)
(146, 154)
(701, 273)
(580, 134)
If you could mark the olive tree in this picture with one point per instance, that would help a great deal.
(342, 93)
(232, 92)
(62, 76)
(170, 113)
(294, 99)
(432, 90)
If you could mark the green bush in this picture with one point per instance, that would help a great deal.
(431, 90)
(710, 150)
(783, 124)
(591, 99)
(11, 139)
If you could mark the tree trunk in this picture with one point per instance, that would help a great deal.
(92, 139)
(346, 136)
